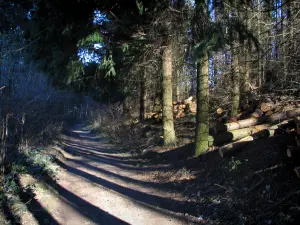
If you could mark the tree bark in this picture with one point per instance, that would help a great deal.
(168, 122)
(202, 123)
(235, 84)
(142, 99)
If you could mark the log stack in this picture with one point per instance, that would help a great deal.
(293, 152)
(263, 121)
(184, 107)
(266, 120)
(180, 108)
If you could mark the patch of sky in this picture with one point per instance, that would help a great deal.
(99, 17)
(98, 46)
(191, 3)
(29, 13)
(87, 56)
(211, 10)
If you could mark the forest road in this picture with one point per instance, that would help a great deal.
(99, 184)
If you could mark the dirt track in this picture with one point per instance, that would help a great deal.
(99, 185)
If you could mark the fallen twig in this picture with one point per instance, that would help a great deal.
(255, 186)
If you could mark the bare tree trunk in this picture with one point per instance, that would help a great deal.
(235, 84)
(143, 97)
(168, 122)
(177, 87)
(142, 101)
(202, 123)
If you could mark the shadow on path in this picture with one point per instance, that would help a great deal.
(165, 203)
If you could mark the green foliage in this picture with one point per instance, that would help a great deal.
(125, 47)
(41, 161)
(108, 66)
(92, 38)
(140, 6)
(75, 71)
(234, 163)
(11, 184)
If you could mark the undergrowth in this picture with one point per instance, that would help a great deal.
(34, 161)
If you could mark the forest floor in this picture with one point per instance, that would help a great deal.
(99, 183)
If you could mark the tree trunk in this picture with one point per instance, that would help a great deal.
(177, 89)
(235, 84)
(142, 100)
(202, 124)
(168, 122)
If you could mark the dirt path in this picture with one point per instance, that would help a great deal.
(99, 185)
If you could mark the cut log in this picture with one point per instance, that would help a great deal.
(155, 116)
(233, 147)
(292, 151)
(240, 124)
(278, 108)
(226, 137)
(297, 171)
(269, 113)
(293, 113)
(234, 119)
(175, 108)
(257, 113)
(266, 106)
(189, 100)
(297, 122)
(227, 149)
(219, 111)
(280, 116)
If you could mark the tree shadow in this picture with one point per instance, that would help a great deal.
(8, 213)
(34, 207)
(159, 186)
(97, 152)
(142, 197)
(113, 162)
(82, 206)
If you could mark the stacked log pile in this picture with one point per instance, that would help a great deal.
(293, 152)
(268, 119)
(254, 122)
(180, 108)
(184, 107)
